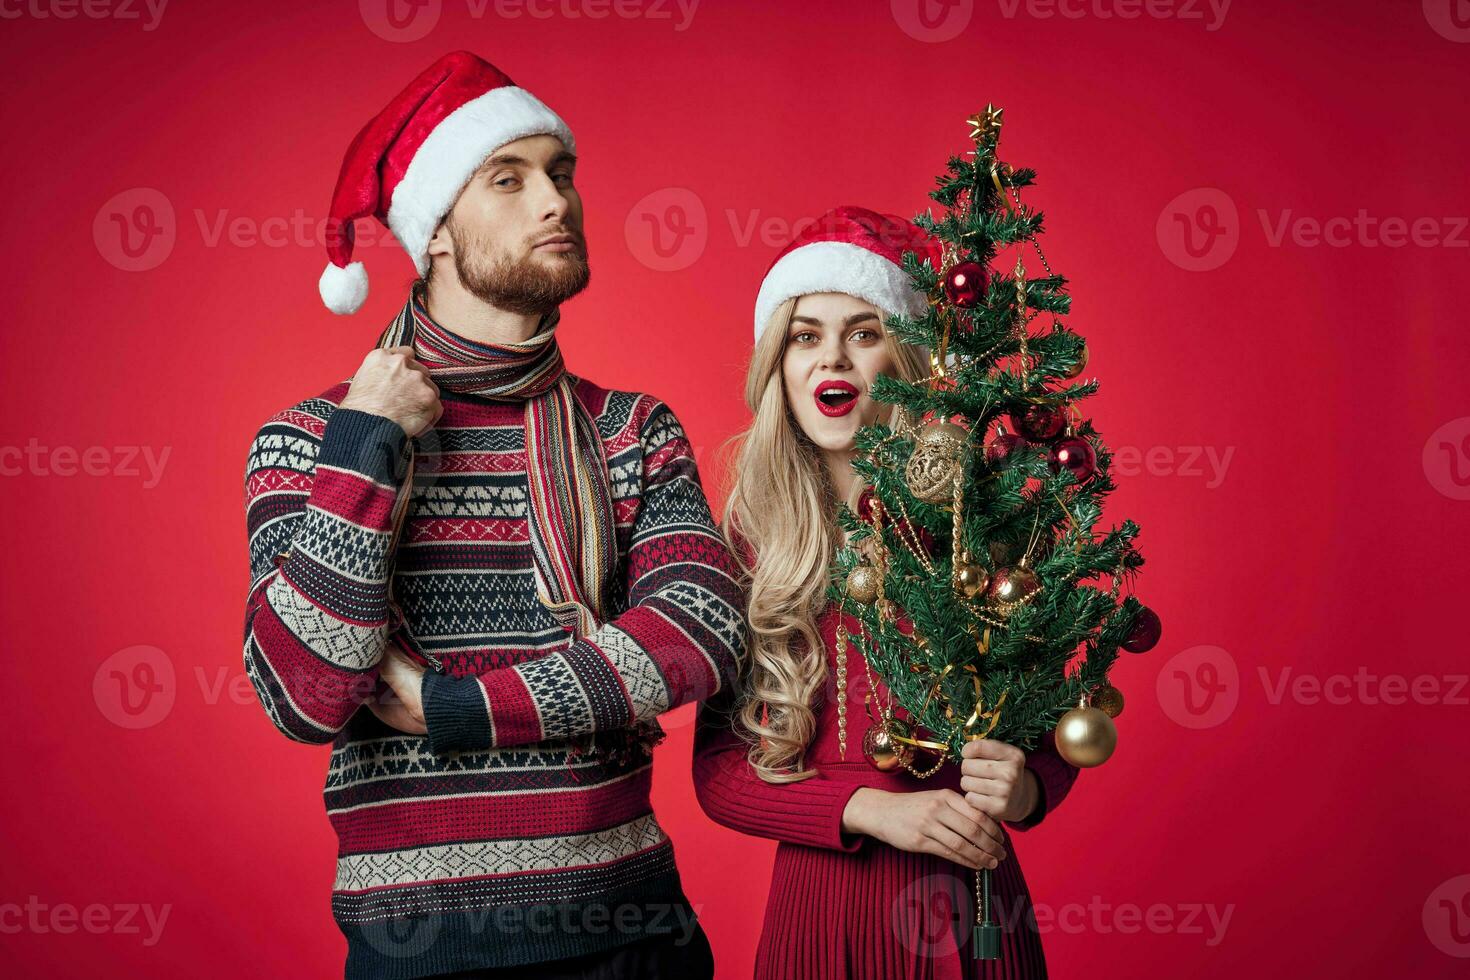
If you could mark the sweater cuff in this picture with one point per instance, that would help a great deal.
(455, 713)
(810, 812)
(372, 445)
(1053, 779)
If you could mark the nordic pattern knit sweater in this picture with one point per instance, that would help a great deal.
(519, 830)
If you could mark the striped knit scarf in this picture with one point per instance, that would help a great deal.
(572, 520)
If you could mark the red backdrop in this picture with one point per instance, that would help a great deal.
(1262, 211)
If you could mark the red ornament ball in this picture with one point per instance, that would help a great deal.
(1145, 632)
(964, 285)
(1009, 585)
(1001, 447)
(1039, 423)
(1075, 453)
(865, 505)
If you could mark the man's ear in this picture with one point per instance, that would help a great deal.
(441, 243)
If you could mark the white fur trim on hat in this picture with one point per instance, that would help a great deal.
(453, 151)
(343, 290)
(836, 267)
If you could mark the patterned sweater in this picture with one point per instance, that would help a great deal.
(520, 829)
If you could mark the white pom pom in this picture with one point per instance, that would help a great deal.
(343, 290)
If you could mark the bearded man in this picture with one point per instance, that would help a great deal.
(481, 578)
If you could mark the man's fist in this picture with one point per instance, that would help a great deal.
(392, 384)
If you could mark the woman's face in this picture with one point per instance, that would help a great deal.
(835, 348)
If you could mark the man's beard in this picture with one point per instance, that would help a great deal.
(523, 286)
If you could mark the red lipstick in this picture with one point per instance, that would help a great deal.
(835, 398)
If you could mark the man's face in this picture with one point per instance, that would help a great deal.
(515, 233)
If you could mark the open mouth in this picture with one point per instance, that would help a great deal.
(835, 398)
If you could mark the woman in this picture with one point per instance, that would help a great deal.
(875, 871)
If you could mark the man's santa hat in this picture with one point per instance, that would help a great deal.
(409, 163)
(848, 250)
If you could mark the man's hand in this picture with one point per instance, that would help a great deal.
(397, 702)
(392, 384)
(996, 781)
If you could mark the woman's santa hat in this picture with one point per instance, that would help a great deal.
(848, 250)
(409, 163)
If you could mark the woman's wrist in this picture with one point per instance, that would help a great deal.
(1030, 796)
(859, 806)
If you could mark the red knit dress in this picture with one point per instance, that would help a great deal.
(848, 905)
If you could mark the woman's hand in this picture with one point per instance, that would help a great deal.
(398, 702)
(929, 822)
(995, 779)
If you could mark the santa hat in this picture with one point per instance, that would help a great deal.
(409, 163)
(848, 250)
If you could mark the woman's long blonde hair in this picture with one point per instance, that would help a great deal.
(781, 506)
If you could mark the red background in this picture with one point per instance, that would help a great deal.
(1333, 544)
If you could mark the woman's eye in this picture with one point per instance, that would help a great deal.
(805, 337)
(865, 334)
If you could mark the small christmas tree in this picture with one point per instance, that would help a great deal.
(988, 602)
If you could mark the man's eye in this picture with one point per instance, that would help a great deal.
(504, 181)
(562, 178)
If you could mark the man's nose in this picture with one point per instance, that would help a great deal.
(553, 205)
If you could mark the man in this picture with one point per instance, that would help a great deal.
(541, 543)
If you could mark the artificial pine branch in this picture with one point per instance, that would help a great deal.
(1035, 659)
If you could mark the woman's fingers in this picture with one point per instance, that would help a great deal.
(982, 821)
(954, 846)
(972, 831)
(989, 796)
(989, 769)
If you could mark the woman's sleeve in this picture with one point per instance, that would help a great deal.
(807, 812)
(1054, 778)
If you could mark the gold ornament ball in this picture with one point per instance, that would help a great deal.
(883, 752)
(935, 464)
(1086, 737)
(862, 584)
(1108, 700)
(971, 580)
(1080, 365)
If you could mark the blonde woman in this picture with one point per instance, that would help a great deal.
(874, 873)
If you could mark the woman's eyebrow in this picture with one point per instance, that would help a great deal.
(860, 317)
